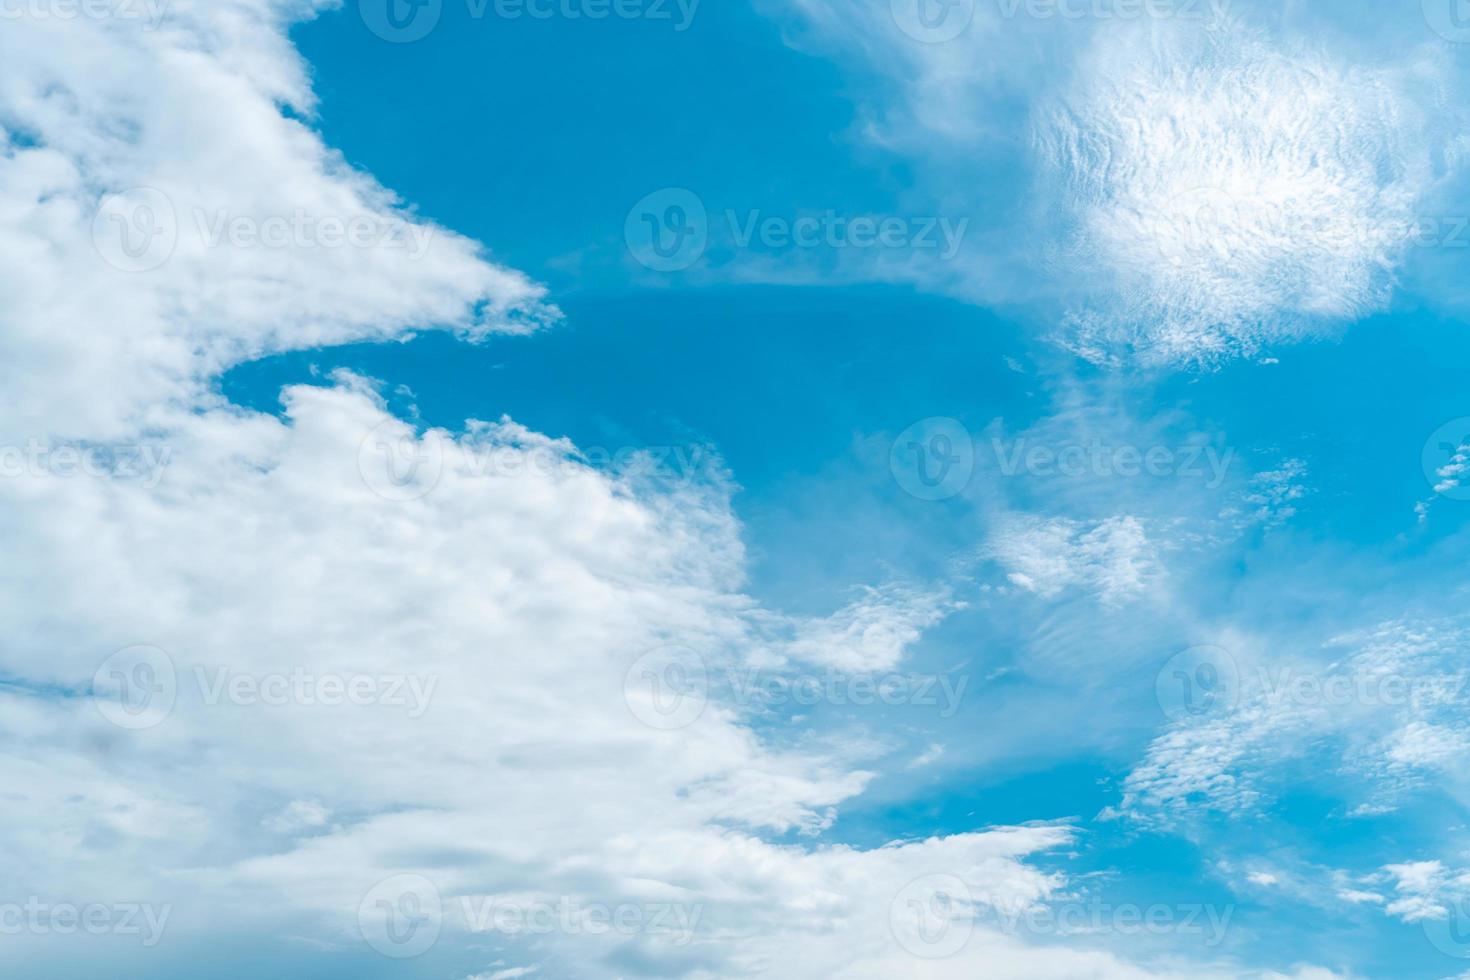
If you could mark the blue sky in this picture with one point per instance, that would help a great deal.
(1155, 378)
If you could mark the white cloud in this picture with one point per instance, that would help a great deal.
(1206, 185)
(872, 633)
(1423, 888)
(1113, 559)
(1386, 716)
(509, 604)
(191, 113)
(1231, 191)
(508, 974)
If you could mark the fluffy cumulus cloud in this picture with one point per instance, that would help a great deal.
(297, 675)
